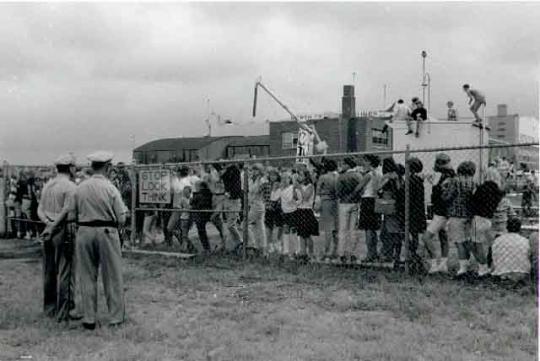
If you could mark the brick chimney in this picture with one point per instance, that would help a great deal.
(348, 102)
(502, 110)
(348, 114)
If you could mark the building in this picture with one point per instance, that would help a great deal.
(514, 129)
(342, 133)
(175, 150)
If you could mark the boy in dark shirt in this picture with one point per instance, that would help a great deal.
(485, 200)
(419, 114)
(202, 201)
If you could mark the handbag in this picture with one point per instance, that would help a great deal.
(385, 206)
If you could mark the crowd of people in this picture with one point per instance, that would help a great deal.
(24, 193)
(80, 216)
(288, 206)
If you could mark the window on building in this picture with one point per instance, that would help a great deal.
(500, 136)
(378, 137)
(289, 140)
(501, 129)
(502, 123)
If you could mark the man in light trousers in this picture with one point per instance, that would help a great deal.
(100, 210)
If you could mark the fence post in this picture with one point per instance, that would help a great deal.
(133, 202)
(407, 203)
(245, 224)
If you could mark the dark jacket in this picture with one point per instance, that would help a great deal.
(417, 219)
(485, 199)
(438, 205)
(232, 182)
(201, 201)
(346, 184)
(22, 191)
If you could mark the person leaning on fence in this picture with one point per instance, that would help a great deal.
(485, 200)
(256, 227)
(218, 201)
(437, 226)
(457, 193)
(22, 201)
(59, 262)
(307, 225)
(202, 201)
(232, 204)
(391, 190)
(512, 254)
(327, 192)
(347, 181)
(99, 210)
(369, 221)
(273, 216)
(417, 207)
(290, 198)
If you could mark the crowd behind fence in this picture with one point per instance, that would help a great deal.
(441, 208)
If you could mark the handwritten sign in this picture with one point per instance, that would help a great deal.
(155, 186)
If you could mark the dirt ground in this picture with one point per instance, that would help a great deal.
(225, 309)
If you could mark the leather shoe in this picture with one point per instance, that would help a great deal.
(89, 326)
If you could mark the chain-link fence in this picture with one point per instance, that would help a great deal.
(447, 210)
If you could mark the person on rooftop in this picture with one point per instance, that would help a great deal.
(476, 100)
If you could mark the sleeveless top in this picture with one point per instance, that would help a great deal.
(308, 202)
(370, 190)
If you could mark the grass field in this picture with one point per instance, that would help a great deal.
(223, 309)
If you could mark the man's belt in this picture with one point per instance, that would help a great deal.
(111, 224)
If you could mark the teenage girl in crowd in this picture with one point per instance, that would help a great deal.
(308, 225)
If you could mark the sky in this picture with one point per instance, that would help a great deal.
(78, 77)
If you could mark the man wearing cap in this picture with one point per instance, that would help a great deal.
(100, 210)
(439, 221)
(59, 237)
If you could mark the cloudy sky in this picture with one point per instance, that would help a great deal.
(80, 77)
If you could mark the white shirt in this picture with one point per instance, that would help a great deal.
(288, 204)
(178, 185)
(307, 203)
(511, 254)
(401, 112)
(370, 190)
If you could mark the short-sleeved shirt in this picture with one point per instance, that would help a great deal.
(401, 112)
(477, 95)
(96, 199)
(419, 111)
(327, 186)
(511, 254)
(55, 196)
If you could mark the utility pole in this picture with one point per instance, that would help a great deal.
(384, 96)
(424, 84)
(208, 117)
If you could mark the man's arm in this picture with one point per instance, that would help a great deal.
(470, 95)
(120, 209)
